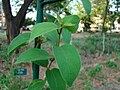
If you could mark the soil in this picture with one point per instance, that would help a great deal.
(88, 60)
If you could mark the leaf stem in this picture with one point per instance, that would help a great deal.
(59, 35)
(51, 61)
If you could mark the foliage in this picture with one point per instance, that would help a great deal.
(22, 41)
(94, 43)
(94, 76)
(98, 7)
(36, 85)
(87, 6)
(8, 81)
(117, 4)
(66, 56)
(86, 19)
(28, 22)
(111, 64)
(96, 69)
(61, 7)
(3, 53)
(53, 76)
(68, 66)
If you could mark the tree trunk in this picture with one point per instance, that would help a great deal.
(12, 29)
(14, 23)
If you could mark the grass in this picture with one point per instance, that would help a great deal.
(98, 72)
(3, 36)
(8, 81)
(94, 43)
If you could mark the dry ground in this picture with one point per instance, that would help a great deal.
(89, 60)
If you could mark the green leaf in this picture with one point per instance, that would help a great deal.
(31, 55)
(59, 18)
(71, 22)
(87, 6)
(55, 80)
(20, 40)
(52, 37)
(66, 36)
(49, 17)
(37, 85)
(43, 63)
(42, 28)
(68, 61)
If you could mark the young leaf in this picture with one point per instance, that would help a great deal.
(31, 55)
(68, 61)
(87, 6)
(20, 40)
(55, 80)
(42, 28)
(59, 18)
(71, 22)
(66, 36)
(37, 85)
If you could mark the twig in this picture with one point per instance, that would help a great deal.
(51, 61)
(50, 1)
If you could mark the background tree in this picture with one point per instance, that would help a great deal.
(116, 4)
(28, 22)
(87, 20)
(14, 22)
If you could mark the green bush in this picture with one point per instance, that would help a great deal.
(94, 43)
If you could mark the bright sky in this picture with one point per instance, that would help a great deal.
(15, 9)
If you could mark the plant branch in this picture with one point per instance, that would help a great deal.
(51, 61)
(22, 11)
(50, 1)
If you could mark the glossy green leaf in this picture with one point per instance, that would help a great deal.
(55, 80)
(20, 40)
(43, 63)
(69, 62)
(87, 6)
(66, 36)
(42, 28)
(71, 22)
(49, 17)
(37, 85)
(31, 55)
